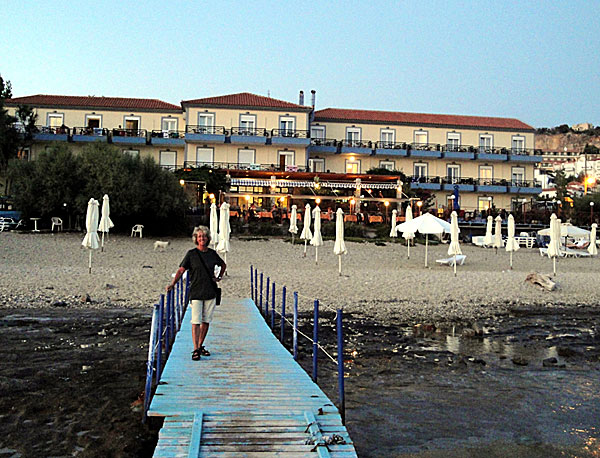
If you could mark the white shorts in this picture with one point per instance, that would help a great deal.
(202, 311)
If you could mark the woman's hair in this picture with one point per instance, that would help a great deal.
(202, 229)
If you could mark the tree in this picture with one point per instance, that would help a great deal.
(9, 137)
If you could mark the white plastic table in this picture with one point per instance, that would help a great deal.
(35, 220)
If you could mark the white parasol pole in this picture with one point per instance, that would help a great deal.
(316, 255)
(305, 243)
(426, 243)
(340, 264)
(455, 264)
(554, 265)
(90, 262)
(102, 249)
(408, 245)
(511, 260)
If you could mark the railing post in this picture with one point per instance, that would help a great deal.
(340, 363)
(282, 327)
(168, 326)
(295, 334)
(187, 291)
(273, 308)
(151, 360)
(261, 293)
(315, 339)
(255, 285)
(176, 314)
(267, 298)
(252, 283)
(161, 336)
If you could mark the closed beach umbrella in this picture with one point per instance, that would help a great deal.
(306, 234)
(408, 235)
(214, 225)
(91, 241)
(425, 224)
(105, 222)
(317, 240)
(498, 234)
(224, 231)
(393, 232)
(293, 222)
(511, 243)
(454, 248)
(487, 240)
(554, 245)
(593, 249)
(339, 248)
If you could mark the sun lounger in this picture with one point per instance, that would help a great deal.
(569, 252)
(460, 260)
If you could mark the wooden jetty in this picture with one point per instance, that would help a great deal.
(248, 399)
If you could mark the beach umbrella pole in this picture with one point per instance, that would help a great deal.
(292, 238)
(408, 244)
(511, 260)
(305, 242)
(554, 265)
(455, 265)
(90, 262)
(426, 245)
(316, 255)
(102, 249)
(340, 264)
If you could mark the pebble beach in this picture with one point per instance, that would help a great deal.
(45, 270)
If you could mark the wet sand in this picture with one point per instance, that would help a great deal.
(414, 362)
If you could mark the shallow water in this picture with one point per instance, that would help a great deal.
(445, 390)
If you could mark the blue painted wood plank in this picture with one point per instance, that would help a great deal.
(194, 449)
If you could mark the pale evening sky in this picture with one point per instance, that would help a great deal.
(535, 61)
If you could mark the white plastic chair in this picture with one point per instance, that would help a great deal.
(460, 260)
(57, 222)
(137, 229)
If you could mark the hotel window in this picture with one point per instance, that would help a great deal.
(317, 132)
(132, 123)
(93, 121)
(204, 155)
(287, 126)
(169, 125)
(316, 165)
(484, 203)
(388, 165)
(453, 141)
(486, 174)
(388, 138)
(518, 144)
(353, 136)
(132, 152)
(352, 165)
(246, 157)
(285, 158)
(247, 124)
(453, 171)
(168, 159)
(55, 119)
(420, 170)
(206, 122)
(421, 137)
(486, 143)
(518, 176)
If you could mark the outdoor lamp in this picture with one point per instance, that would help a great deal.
(211, 196)
(318, 201)
(352, 201)
(386, 203)
(247, 198)
(182, 182)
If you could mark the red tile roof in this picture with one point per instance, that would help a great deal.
(94, 102)
(245, 99)
(420, 119)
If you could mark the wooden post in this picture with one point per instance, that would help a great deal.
(273, 308)
(315, 339)
(252, 284)
(161, 337)
(267, 299)
(282, 327)
(295, 334)
(340, 362)
(151, 360)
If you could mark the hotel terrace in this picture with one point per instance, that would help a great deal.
(272, 148)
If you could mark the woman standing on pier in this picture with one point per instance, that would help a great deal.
(200, 263)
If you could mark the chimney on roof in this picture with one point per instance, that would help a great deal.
(301, 101)
(314, 97)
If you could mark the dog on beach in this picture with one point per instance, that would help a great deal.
(158, 245)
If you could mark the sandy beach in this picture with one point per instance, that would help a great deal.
(73, 344)
(41, 270)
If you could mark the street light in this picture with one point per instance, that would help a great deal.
(589, 181)
(386, 204)
(419, 205)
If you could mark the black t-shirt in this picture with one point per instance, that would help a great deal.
(201, 285)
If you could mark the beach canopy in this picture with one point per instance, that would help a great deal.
(105, 223)
(567, 230)
(224, 230)
(393, 232)
(214, 225)
(454, 248)
(592, 248)
(339, 247)
(91, 240)
(498, 233)
(425, 224)
(317, 240)
(488, 238)
(511, 242)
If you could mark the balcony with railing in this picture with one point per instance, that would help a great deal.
(247, 135)
(129, 136)
(429, 150)
(205, 134)
(357, 147)
(243, 166)
(391, 148)
(491, 185)
(524, 187)
(464, 184)
(425, 182)
(323, 145)
(89, 134)
(49, 134)
(453, 151)
(290, 137)
(167, 137)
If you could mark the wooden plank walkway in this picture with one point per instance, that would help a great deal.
(248, 399)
